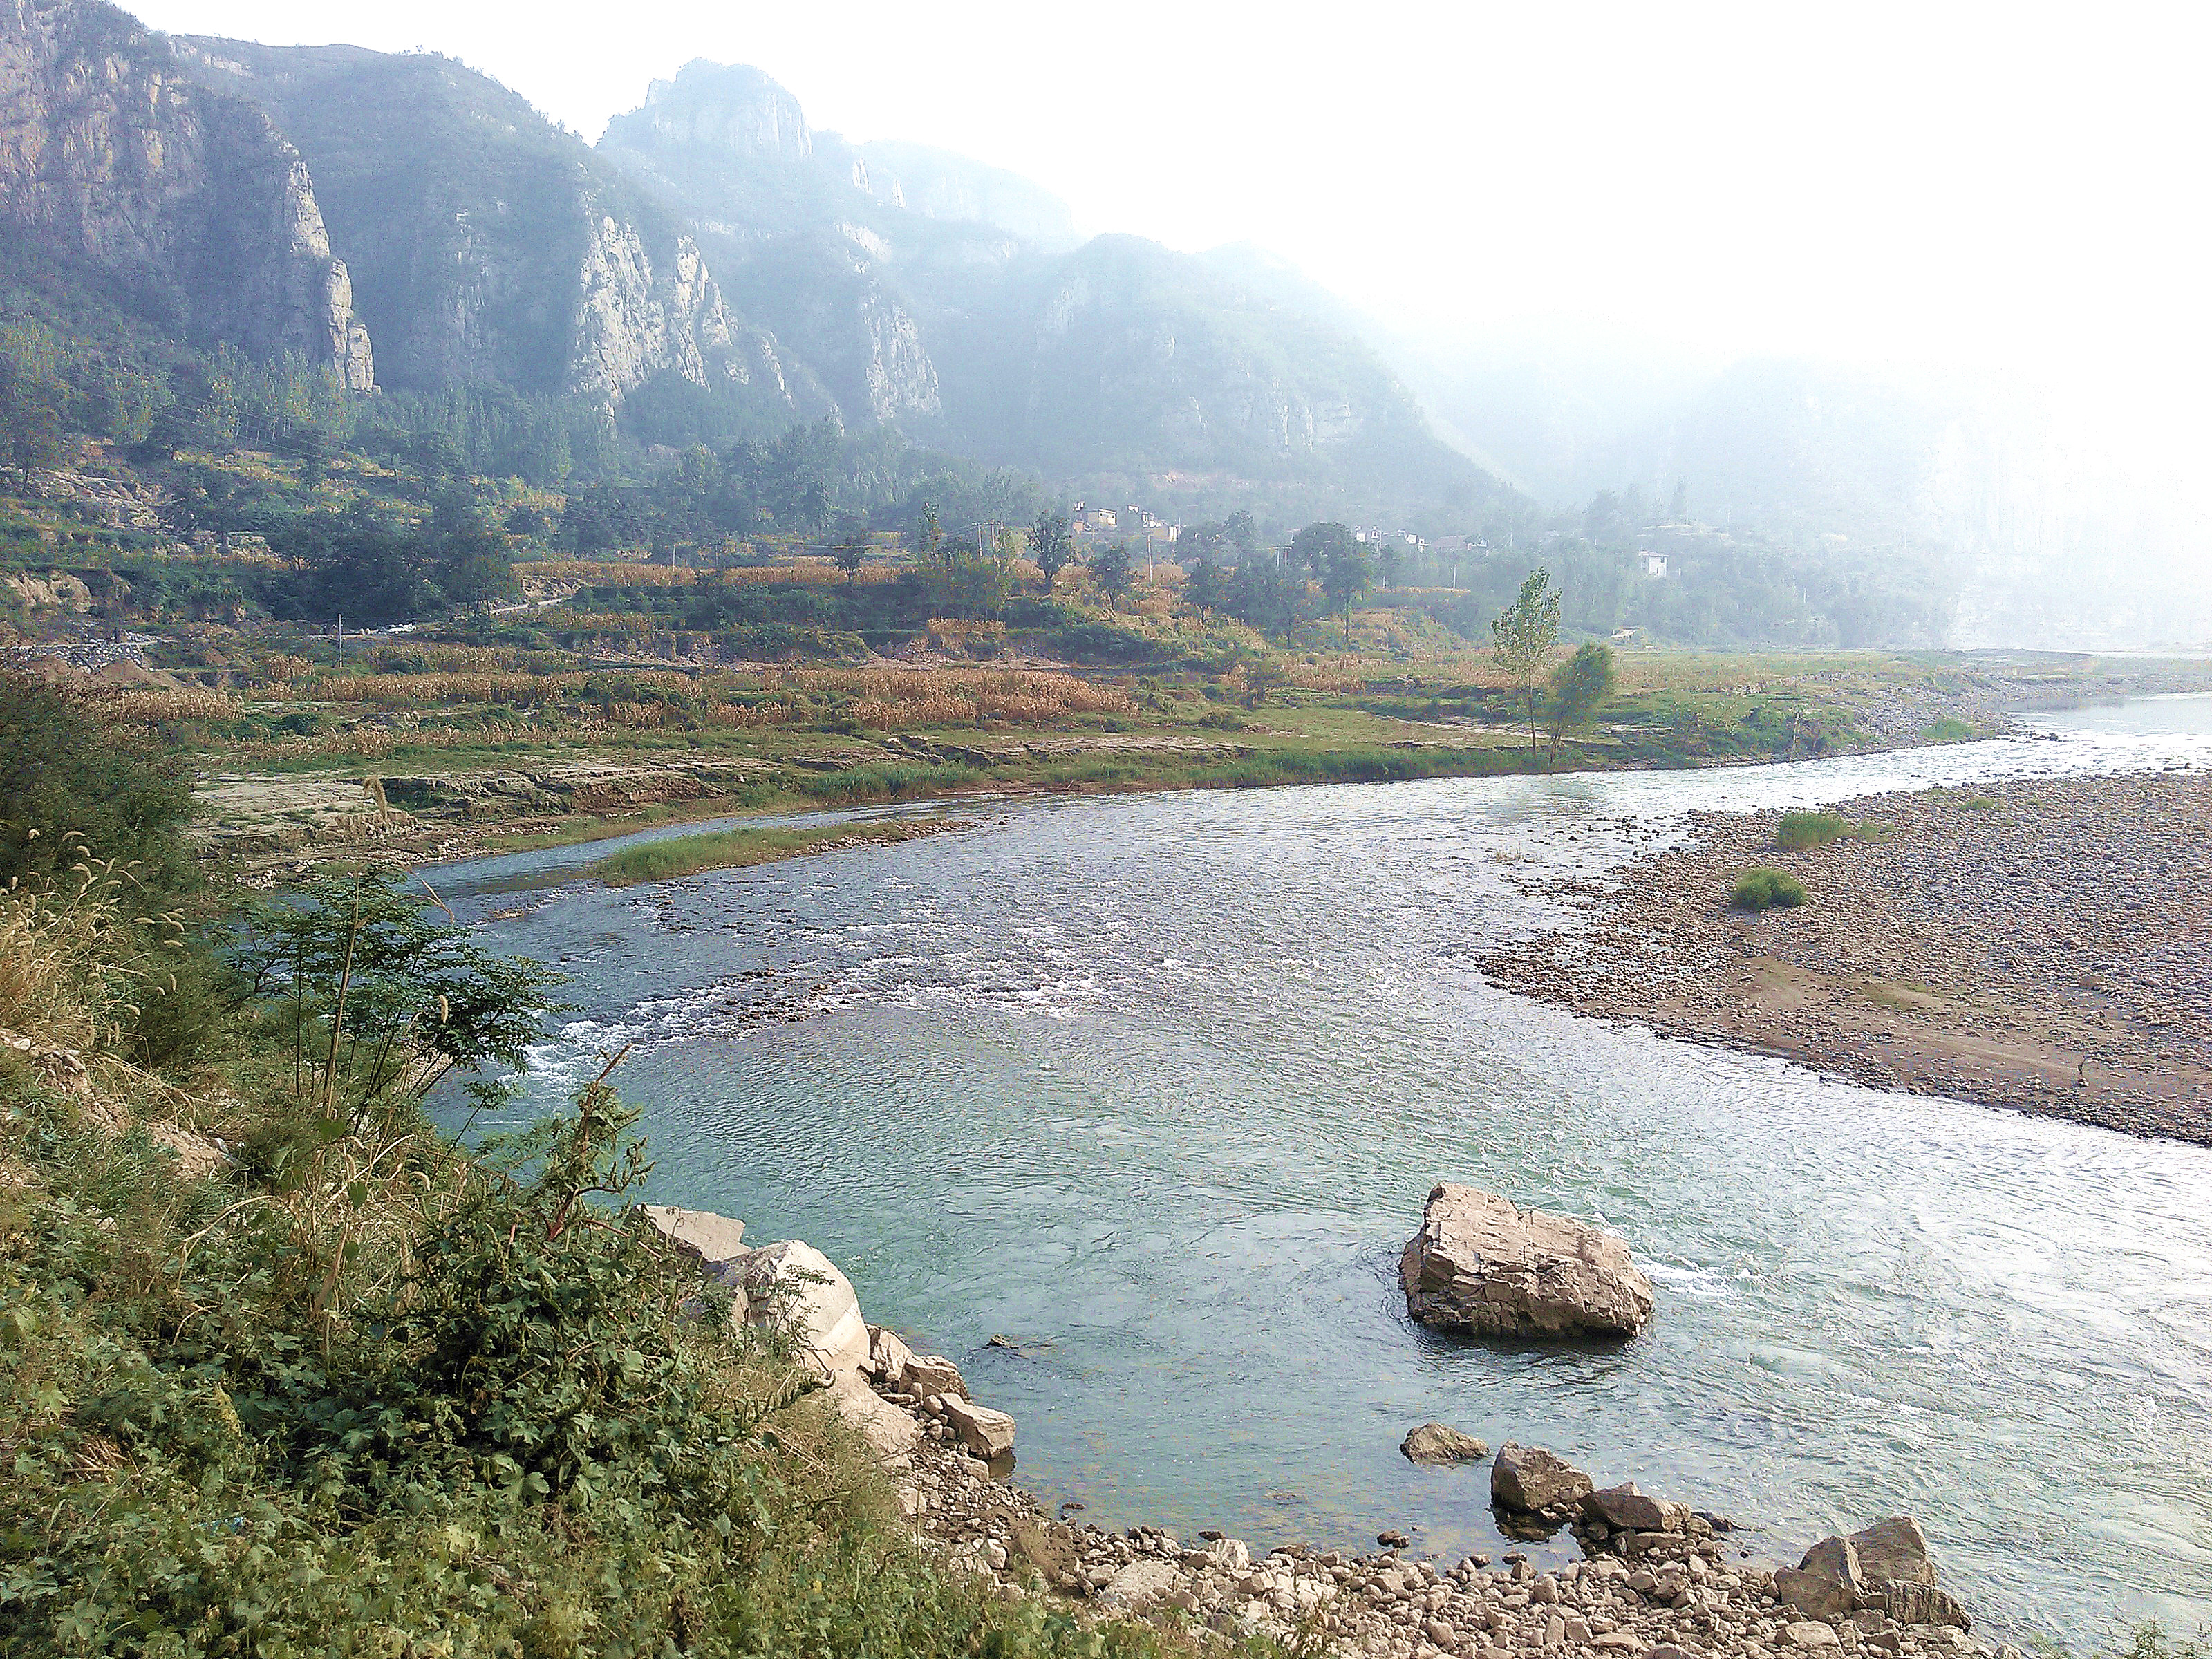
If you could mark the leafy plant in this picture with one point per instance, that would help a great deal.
(1759, 888)
(378, 1000)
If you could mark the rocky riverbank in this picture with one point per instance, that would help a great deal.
(2041, 944)
(1659, 1580)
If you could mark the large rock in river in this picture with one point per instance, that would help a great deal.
(1482, 1264)
(1531, 1480)
(1433, 1442)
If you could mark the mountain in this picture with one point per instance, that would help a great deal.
(951, 298)
(192, 202)
(714, 266)
(2056, 534)
(486, 244)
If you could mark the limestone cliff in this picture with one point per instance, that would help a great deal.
(109, 154)
(490, 245)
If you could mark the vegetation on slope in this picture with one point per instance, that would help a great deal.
(346, 1389)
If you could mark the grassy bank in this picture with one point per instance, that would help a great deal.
(733, 849)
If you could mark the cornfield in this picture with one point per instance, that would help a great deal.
(150, 704)
(517, 690)
(895, 698)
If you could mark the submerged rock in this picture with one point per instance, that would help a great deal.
(1482, 1264)
(1432, 1443)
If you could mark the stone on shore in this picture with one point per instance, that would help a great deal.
(1910, 1602)
(1481, 1264)
(796, 1288)
(932, 1373)
(987, 1433)
(1895, 1548)
(1432, 1443)
(888, 1357)
(1534, 1481)
(1815, 1594)
(1142, 1583)
(1628, 1508)
(701, 1234)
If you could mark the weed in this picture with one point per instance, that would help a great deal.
(1758, 888)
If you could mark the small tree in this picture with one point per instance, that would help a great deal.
(1202, 587)
(381, 1000)
(1523, 638)
(1393, 563)
(1348, 578)
(1579, 686)
(1313, 547)
(1051, 545)
(1114, 571)
(852, 549)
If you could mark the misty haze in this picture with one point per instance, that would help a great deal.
(956, 831)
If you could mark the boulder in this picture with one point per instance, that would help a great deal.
(1910, 1602)
(1625, 1508)
(1480, 1263)
(794, 1287)
(1230, 1555)
(1535, 1481)
(1432, 1443)
(888, 1357)
(1895, 1548)
(1815, 1594)
(1142, 1583)
(932, 1373)
(988, 1433)
(700, 1234)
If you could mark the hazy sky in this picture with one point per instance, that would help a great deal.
(2013, 184)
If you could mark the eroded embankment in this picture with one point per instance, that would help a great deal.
(2042, 944)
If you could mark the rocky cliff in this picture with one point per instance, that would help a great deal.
(488, 245)
(108, 153)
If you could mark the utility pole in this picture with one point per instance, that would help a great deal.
(341, 639)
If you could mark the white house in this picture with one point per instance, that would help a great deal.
(1655, 564)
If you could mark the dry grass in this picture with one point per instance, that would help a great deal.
(895, 698)
(150, 705)
(514, 689)
(445, 658)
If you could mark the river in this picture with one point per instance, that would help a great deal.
(1156, 1085)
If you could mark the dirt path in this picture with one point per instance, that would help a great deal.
(2045, 946)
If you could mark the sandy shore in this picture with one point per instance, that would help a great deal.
(2043, 944)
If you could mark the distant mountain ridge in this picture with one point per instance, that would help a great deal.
(937, 290)
(714, 259)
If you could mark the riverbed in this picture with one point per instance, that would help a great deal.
(1155, 1086)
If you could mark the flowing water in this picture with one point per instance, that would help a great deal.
(1155, 1087)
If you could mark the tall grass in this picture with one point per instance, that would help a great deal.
(1759, 888)
(1802, 832)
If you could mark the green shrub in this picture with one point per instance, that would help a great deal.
(1756, 889)
(1946, 730)
(1802, 832)
(1978, 804)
